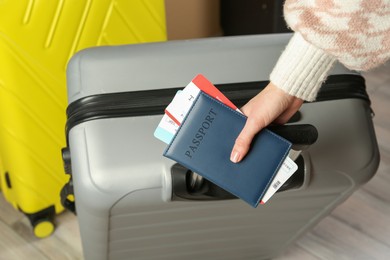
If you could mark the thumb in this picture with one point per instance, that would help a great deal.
(244, 139)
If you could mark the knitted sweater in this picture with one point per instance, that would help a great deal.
(354, 32)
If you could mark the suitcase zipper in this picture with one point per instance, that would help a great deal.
(153, 102)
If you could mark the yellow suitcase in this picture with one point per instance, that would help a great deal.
(37, 38)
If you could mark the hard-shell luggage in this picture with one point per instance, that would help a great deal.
(37, 38)
(132, 203)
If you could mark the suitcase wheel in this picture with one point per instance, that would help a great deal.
(43, 228)
(42, 222)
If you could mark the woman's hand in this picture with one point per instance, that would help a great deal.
(270, 105)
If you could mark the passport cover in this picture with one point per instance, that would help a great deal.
(205, 139)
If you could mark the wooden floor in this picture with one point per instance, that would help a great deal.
(358, 229)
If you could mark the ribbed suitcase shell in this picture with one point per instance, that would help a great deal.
(37, 38)
(122, 183)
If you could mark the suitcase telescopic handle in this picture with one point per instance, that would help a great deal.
(188, 185)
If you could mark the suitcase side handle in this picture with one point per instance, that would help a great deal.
(189, 186)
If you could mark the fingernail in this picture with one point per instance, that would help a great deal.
(234, 157)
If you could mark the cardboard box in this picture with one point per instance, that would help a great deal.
(189, 19)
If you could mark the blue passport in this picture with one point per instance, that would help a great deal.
(205, 139)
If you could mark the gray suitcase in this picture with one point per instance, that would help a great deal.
(132, 203)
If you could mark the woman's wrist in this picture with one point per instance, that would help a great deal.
(301, 68)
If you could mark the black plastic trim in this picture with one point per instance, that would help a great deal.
(46, 214)
(8, 180)
(153, 102)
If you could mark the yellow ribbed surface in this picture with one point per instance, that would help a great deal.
(37, 39)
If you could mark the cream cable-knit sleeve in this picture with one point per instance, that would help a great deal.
(354, 32)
